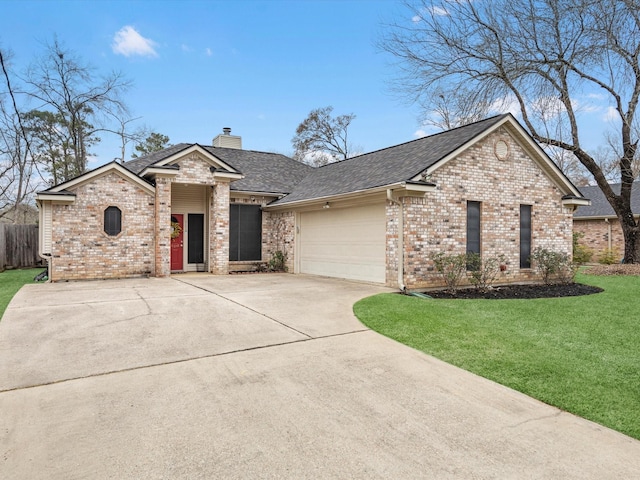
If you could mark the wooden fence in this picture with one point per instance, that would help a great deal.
(18, 246)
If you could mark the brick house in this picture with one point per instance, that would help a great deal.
(599, 224)
(379, 217)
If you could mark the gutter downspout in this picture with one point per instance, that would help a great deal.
(401, 284)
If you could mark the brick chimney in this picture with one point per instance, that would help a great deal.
(226, 140)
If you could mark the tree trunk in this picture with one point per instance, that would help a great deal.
(631, 244)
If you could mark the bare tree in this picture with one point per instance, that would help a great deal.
(18, 181)
(66, 87)
(542, 54)
(321, 138)
(450, 112)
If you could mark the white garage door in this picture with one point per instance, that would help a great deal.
(344, 243)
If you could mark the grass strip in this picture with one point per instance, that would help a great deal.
(580, 354)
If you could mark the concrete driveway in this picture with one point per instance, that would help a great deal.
(259, 376)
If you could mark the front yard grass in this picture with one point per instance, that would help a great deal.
(11, 281)
(580, 354)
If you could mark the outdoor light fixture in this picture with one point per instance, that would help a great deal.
(326, 205)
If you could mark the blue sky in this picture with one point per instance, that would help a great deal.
(258, 67)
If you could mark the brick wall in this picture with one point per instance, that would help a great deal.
(219, 229)
(163, 226)
(278, 233)
(80, 247)
(437, 222)
(596, 236)
(194, 169)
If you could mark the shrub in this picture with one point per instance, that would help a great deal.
(451, 267)
(554, 267)
(483, 272)
(278, 262)
(609, 256)
(581, 253)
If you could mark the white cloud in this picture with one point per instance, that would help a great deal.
(128, 42)
(610, 115)
(508, 104)
(438, 11)
(208, 52)
(420, 133)
(186, 48)
(433, 10)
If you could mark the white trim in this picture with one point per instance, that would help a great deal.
(101, 171)
(227, 175)
(158, 171)
(400, 187)
(520, 135)
(212, 159)
(55, 198)
(576, 202)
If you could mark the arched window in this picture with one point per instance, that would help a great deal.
(112, 221)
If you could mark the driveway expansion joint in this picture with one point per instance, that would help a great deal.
(172, 362)
(244, 306)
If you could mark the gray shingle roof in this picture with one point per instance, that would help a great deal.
(600, 207)
(141, 163)
(385, 167)
(264, 172)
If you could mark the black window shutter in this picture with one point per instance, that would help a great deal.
(525, 236)
(245, 233)
(473, 227)
(195, 246)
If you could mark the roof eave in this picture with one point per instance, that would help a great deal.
(406, 188)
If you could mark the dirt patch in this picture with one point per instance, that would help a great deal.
(616, 269)
(521, 291)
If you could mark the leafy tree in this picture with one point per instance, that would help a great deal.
(321, 138)
(153, 143)
(541, 57)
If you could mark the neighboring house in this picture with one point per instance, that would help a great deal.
(598, 222)
(379, 217)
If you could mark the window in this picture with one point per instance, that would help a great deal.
(525, 236)
(112, 221)
(245, 232)
(473, 227)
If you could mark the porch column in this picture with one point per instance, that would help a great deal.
(163, 226)
(219, 229)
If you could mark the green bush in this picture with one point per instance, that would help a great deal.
(452, 268)
(278, 262)
(483, 272)
(553, 267)
(609, 256)
(581, 253)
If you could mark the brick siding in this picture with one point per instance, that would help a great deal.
(278, 233)
(437, 222)
(80, 247)
(596, 236)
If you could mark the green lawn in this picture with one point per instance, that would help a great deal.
(11, 281)
(581, 354)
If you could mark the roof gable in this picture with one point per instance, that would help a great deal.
(208, 157)
(96, 173)
(411, 160)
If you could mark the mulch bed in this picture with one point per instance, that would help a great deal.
(520, 291)
(615, 269)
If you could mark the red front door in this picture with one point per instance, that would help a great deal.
(177, 236)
